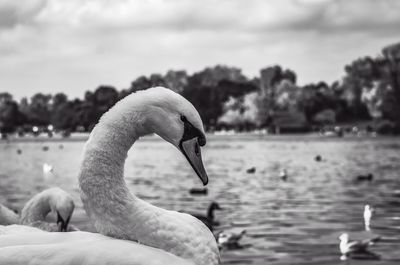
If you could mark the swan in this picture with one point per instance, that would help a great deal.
(36, 209)
(53, 200)
(78, 248)
(132, 230)
(7, 216)
(120, 214)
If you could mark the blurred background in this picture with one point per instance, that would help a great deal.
(300, 100)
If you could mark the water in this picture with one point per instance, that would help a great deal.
(292, 222)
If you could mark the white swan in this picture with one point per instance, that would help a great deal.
(53, 200)
(7, 216)
(166, 237)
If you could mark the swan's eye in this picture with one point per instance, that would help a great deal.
(191, 132)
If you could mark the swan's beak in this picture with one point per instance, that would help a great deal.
(61, 224)
(191, 149)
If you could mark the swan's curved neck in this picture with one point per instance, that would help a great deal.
(104, 193)
(7, 216)
(116, 212)
(36, 209)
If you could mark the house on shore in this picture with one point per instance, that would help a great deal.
(289, 122)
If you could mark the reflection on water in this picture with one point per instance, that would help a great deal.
(296, 221)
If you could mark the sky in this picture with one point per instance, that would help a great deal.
(72, 46)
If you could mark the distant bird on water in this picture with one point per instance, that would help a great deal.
(197, 191)
(318, 158)
(283, 174)
(47, 168)
(367, 177)
(348, 247)
(229, 239)
(209, 219)
(368, 210)
(251, 170)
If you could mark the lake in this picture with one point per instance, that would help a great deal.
(297, 221)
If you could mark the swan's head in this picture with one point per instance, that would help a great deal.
(62, 204)
(174, 119)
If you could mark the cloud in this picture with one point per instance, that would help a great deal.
(75, 45)
(14, 12)
(234, 15)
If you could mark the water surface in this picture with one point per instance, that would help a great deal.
(297, 221)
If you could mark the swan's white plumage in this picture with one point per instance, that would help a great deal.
(37, 208)
(108, 202)
(49, 200)
(7, 216)
(166, 237)
(78, 248)
(16, 229)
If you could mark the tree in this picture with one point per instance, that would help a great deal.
(38, 111)
(273, 82)
(176, 80)
(141, 83)
(10, 116)
(391, 75)
(209, 89)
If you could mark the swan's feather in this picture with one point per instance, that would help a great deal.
(78, 248)
(7, 216)
(37, 208)
(113, 209)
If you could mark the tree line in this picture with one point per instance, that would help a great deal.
(226, 98)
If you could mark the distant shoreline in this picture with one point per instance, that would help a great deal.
(82, 137)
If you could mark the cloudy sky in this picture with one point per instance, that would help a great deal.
(75, 45)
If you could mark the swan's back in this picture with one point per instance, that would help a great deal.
(7, 216)
(79, 248)
(181, 234)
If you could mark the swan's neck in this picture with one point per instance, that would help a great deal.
(104, 193)
(36, 209)
(118, 213)
(7, 216)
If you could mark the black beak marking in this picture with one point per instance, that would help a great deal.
(194, 137)
(64, 224)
